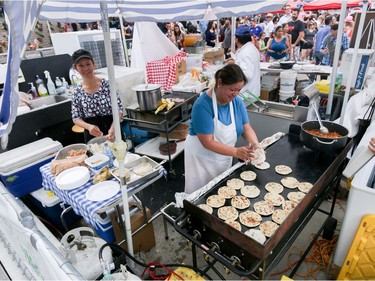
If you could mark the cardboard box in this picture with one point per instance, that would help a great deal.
(180, 69)
(214, 56)
(143, 240)
(271, 95)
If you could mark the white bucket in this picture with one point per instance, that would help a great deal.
(288, 80)
(284, 95)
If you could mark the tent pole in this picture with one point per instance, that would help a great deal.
(233, 31)
(354, 59)
(123, 40)
(336, 59)
(116, 121)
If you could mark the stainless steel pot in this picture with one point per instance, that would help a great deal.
(321, 143)
(148, 96)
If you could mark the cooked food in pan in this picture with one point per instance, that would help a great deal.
(330, 135)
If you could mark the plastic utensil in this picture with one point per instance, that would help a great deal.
(322, 129)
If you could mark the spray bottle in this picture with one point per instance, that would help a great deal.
(50, 85)
(65, 83)
(42, 90)
(32, 91)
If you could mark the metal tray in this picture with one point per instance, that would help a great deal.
(136, 179)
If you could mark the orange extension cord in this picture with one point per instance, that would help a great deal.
(322, 251)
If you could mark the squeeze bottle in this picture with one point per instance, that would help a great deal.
(32, 90)
(50, 85)
(42, 90)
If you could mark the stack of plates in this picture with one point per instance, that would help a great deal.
(73, 178)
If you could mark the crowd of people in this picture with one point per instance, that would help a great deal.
(293, 35)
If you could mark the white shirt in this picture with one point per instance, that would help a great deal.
(285, 19)
(269, 28)
(248, 58)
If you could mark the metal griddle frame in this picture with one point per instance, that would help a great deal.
(264, 262)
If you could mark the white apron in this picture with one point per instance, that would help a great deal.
(203, 165)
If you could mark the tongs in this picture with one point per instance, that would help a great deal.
(257, 98)
(249, 100)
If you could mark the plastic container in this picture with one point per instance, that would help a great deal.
(104, 227)
(288, 80)
(97, 161)
(323, 86)
(33, 91)
(41, 88)
(19, 167)
(51, 209)
(50, 85)
(284, 95)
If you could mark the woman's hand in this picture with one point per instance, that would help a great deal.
(111, 134)
(371, 145)
(245, 153)
(95, 131)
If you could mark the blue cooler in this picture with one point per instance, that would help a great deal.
(105, 229)
(51, 209)
(19, 167)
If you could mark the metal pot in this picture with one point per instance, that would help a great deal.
(321, 143)
(148, 96)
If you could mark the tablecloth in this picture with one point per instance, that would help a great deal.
(77, 197)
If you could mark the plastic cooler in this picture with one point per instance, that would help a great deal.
(51, 209)
(104, 228)
(19, 167)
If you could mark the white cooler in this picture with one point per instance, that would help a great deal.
(19, 167)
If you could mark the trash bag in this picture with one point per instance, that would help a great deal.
(364, 123)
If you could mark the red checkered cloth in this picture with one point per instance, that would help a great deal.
(163, 71)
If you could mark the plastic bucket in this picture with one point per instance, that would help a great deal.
(288, 81)
(284, 95)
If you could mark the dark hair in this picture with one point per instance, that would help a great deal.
(278, 27)
(328, 20)
(284, 24)
(230, 74)
(335, 27)
(296, 9)
(275, 18)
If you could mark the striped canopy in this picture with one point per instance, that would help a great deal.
(154, 10)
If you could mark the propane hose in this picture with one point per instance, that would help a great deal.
(155, 265)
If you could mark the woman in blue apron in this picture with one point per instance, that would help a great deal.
(219, 118)
(91, 100)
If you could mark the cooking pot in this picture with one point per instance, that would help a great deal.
(322, 143)
(148, 96)
(287, 64)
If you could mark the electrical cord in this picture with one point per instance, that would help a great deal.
(152, 264)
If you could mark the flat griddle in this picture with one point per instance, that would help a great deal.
(307, 165)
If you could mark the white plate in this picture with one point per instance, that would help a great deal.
(72, 178)
(102, 191)
(128, 158)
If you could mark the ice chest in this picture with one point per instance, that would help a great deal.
(50, 208)
(19, 167)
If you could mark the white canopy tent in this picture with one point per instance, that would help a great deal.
(22, 16)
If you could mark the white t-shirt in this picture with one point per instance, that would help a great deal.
(248, 58)
(285, 19)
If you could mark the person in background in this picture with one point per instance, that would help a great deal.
(91, 100)
(255, 28)
(210, 34)
(262, 46)
(296, 30)
(221, 29)
(248, 58)
(329, 45)
(180, 37)
(371, 145)
(218, 119)
(285, 27)
(269, 27)
(279, 46)
(349, 26)
(227, 38)
(170, 33)
(308, 40)
(301, 12)
(319, 37)
(287, 17)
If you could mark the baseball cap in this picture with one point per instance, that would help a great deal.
(269, 15)
(80, 54)
(242, 30)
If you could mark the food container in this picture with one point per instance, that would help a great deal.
(323, 144)
(287, 64)
(65, 152)
(97, 162)
(163, 148)
(148, 96)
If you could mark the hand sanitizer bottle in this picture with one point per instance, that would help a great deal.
(50, 85)
(41, 88)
